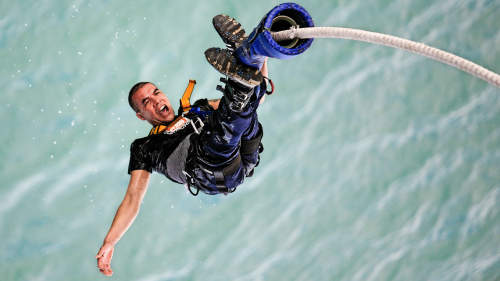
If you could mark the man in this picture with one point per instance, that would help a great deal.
(216, 144)
(214, 161)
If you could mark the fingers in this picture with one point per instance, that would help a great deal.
(104, 267)
(104, 259)
(106, 271)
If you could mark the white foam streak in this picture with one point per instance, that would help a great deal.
(389, 259)
(264, 267)
(181, 273)
(413, 225)
(482, 212)
(18, 192)
(462, 117)
(68, 182)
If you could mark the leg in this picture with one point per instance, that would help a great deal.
(220, 142)
(226, 126)
(229, 147)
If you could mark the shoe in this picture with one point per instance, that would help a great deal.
(230, 31)
(227, 64)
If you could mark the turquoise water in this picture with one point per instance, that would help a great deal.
(379, 164)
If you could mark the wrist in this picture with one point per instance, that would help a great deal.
(109, 241)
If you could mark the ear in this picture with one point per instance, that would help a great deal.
(139, 115)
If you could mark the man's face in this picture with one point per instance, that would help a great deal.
(153, 105)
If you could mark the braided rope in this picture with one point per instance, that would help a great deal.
(391, 41)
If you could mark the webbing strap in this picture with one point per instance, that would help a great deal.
(249, 146)
(231, 168)
(185, 104)
(157, 129)
(219, 174)
(219, 181)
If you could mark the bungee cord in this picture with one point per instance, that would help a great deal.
(391, 41)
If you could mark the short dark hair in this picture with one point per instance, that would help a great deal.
(134, 89)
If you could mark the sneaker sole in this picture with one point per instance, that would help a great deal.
(229, 30)
(227, 64)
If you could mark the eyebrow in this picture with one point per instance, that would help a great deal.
(144, 99)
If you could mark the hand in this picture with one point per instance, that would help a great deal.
(104, 259)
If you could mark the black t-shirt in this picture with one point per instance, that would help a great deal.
(161, 153)
(167, 152)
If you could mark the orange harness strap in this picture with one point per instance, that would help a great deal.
(185, 104)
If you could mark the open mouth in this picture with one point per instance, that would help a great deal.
(163, 110)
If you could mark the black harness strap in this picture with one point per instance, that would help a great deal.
(246, 147)
(219, 174)
(249, 146)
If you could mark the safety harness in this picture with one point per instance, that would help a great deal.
(195, 116)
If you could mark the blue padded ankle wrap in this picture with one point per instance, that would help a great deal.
(260, 43)
(305, 17)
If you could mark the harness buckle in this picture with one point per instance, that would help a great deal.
(239, 104)
(201, 125)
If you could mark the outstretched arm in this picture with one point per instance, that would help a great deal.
(125, 216)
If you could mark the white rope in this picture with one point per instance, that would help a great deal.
(391, 41)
